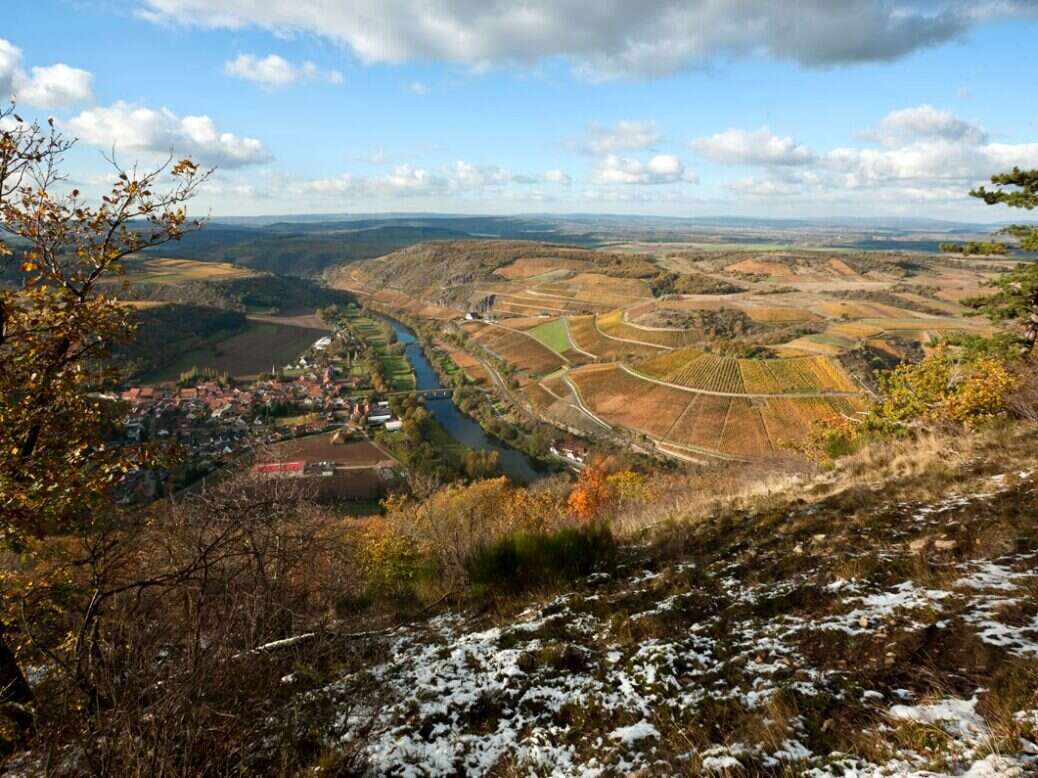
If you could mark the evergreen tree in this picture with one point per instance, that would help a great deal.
(1016, 298)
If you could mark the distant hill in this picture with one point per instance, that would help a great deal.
(223, 286)
(297, 253)
(450, 265)
(308, 248)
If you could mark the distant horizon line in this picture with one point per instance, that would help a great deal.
(832, 220)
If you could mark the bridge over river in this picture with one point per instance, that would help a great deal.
(432, 394)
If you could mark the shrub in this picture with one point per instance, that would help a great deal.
(523, 560)
(392, 565)
(942, 388)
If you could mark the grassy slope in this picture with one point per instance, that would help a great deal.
(882, 619)
(553, 335)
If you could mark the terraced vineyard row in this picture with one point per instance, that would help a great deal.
(517, 349)
(613, 323)
(538, 396)
(789, 420)
(697, 369)
(800, 374)
(628, 401)
(729, 426)
(586, 337)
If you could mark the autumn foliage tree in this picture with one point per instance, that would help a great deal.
(944, 388)
(591, 494)
(59, 472)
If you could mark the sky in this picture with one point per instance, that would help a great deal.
(800, 108)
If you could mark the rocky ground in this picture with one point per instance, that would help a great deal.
(885, 630)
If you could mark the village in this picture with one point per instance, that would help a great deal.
(214, 419)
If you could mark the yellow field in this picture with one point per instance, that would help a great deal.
(857, 310)
(164, 270)
(855, 330)
(777, 314)
(142, 305)
(706, 372)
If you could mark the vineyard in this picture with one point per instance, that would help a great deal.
(730, 426)
(706, 372)
(586, 336)
(777, 314)
(744, 433)
(788, 421)
(523, 323)
(518, 350)
(802, 374)
(538, 396)
(625, 400)
(858, 310)
(613, 323)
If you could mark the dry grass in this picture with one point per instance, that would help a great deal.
(161, 270)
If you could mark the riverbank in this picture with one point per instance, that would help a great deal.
(517, 465)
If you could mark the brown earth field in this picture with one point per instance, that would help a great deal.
(520, 350)
(319, 448)
(620, 398)
(350, 485)
(586, 336)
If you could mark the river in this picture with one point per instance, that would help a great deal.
(514, 463)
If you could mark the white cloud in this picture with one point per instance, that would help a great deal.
(274, 72)
(468, 176)
(418, 88)
(50, 86)
(407, 180)
(10, 59)
(660, 169)
(925, 121)
(558, 177)
(156, 132)
(609, 37)
(918, 154)
(929, 160)
(754, 147)
(755, 187)
(623, 136)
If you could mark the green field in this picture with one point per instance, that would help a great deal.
(553, 335)
(397, 369)
(398, 372)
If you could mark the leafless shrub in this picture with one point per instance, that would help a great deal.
(159, 676)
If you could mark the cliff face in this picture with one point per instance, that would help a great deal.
(886, 629)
